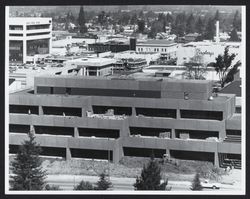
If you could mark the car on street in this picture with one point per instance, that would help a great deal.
(210, 185)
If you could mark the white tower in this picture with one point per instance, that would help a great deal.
(217, 38)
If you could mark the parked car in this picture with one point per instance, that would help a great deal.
(210, 185)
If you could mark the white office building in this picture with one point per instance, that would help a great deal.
(29, 38)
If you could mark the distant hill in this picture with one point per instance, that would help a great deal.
(114, 8)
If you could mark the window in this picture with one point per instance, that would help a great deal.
(16, 35)
(68, 91)
(39, 33)
(35, 27)
(40, 46)
(197, 114)
(13, 27)
(154, 112)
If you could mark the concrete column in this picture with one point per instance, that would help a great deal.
(117, 154)
(24, 50)
(68, 154)
(133, 111)
(216, 159)
(172, 133)
(222, 134)
(168, 151)
(76, 132)
(84, 71)
(40, 110)
(178, 114)
(83, 112)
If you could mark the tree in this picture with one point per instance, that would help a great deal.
(133, 19)
(27, 170)
(234, 35)
(179, 26)
(190, 24)
(102, 18)
(81, 21)
(84, 185)
(195, 68)
(223, 67)
(156, 27)
(217, 16)
(210, 30)
(141, 26)
(169, 18)
(237, 21)
(150, 178)
(103, 183)
(196, 184)
(199, 26)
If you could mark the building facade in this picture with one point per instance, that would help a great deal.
(97, 117)
(92, 66)
(28, 38)
(208, 51)
(166, 48)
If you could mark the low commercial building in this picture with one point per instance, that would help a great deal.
(191, 37)
(166, 48)
(130, 54)
(113, 46)
(29, 38)
(207, 50)
(107, 117)
(92, 66)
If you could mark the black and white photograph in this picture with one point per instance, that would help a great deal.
(125, 99)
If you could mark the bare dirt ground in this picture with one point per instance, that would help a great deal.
(130, 167)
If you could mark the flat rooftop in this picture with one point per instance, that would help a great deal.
(29, 20)
(95, 62)
(160, 42)
(135, 76)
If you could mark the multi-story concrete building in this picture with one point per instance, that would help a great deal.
(101, 117)
(29, 36)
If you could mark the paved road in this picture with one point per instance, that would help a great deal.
(67, 182)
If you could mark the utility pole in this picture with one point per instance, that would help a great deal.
(108, 160)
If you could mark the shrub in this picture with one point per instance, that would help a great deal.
(150, 178)
(196, 185)
(103, 183)
(27, 167)
(52, 187)
(84, 185)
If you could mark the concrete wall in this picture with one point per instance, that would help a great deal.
(218, 104)
(197, 89)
